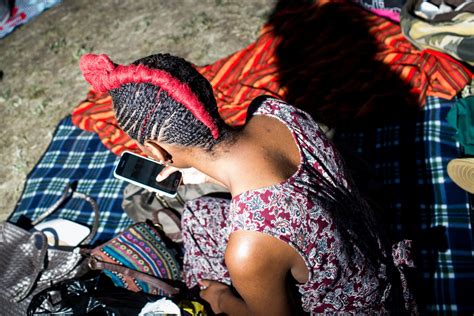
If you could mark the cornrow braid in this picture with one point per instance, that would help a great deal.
(159, 97)
(145, 112)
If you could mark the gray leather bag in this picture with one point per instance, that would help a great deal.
(28, 265)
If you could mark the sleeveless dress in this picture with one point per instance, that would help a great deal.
(294, 212)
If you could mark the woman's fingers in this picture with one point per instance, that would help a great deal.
(203, 284)
(165, 173)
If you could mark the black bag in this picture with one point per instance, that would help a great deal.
(92, 294)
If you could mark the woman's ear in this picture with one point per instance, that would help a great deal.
(155, 151)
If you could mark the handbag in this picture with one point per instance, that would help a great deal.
(141, 258)
(28, 265)
(145, 257)
(141, 204)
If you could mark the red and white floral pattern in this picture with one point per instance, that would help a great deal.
(292, 212)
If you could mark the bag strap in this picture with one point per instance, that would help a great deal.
(95, 224)
(53, 208)
(70, 192)
(95, 264)
(174, 216)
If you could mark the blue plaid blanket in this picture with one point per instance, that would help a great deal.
(404, 172)
(76, 155)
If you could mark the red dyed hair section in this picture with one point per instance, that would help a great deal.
(100, 72)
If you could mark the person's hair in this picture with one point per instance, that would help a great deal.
(160, 97)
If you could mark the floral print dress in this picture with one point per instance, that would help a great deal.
(293, 212)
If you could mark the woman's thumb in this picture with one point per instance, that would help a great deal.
(165, 173)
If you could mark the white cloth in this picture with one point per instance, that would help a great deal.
(162, 306)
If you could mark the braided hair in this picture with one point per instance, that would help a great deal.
(160, 97)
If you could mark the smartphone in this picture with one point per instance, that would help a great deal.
(142, 171)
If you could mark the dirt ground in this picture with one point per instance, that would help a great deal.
(41, 79)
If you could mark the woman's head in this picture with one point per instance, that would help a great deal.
(159, 98)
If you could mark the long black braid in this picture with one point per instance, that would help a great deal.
(359, 228)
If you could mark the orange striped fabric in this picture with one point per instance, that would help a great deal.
(429, 73)
(253, 71)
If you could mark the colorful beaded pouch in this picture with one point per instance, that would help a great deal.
(138, 259)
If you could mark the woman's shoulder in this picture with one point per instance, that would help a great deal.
(304, 128)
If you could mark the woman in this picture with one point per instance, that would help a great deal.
(295, 234)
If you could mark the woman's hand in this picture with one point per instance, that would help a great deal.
(190, 175)
(213, 292)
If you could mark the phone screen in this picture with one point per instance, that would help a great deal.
(143, 172)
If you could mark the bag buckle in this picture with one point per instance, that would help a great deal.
(92, 263)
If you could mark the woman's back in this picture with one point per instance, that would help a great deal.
(264, 154)
(299, 211)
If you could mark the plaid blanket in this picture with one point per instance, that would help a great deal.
(75, 154)
(401, 167)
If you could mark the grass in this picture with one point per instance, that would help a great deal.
(39, 61)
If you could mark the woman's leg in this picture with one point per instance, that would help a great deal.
(204, 224)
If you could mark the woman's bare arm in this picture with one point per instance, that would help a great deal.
(258, 266)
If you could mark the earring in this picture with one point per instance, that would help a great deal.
(168, 162)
